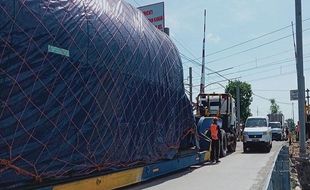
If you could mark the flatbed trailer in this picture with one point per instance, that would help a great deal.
(132, 176)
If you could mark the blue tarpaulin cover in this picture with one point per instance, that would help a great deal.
(86, 86)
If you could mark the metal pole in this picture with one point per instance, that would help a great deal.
(257, 112)
(190, 84)
(238, 110)
(203, 75)
(307, 96)
(238, 104)
(293, 112)
(300, 78)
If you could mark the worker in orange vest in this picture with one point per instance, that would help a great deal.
(215, 137)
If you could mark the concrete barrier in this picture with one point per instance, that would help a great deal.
(280, 177)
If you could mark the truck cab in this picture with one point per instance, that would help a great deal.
(277, 131)
(257, 133)
(222, 106)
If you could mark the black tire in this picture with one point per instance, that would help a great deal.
(232, 147)
(223, 145)
(245, 149)
(267, 149)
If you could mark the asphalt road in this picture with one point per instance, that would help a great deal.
(236, 171)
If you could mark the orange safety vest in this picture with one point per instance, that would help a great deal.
(214, 132)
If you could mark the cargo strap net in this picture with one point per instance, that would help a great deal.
(85, 86)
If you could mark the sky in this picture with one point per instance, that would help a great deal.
(265, 60)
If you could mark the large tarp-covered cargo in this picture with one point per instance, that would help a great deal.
(86, 86)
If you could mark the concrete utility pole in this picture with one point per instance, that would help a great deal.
(203, 75)
(293, 114)
(307, 96)
(238, 104)
(300, 78)
(191, 84)
(257, 112)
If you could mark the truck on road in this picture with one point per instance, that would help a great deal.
(221, 105)
(276, 117)
(277, 131)
(277, 125)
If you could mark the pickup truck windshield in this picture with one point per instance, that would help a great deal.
(275, 125)
(256, 122)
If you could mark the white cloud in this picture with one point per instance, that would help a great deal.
(213, 38)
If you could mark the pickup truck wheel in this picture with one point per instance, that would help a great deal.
(245, 149)
(267, 148)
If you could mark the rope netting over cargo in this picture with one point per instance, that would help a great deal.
(86, 86)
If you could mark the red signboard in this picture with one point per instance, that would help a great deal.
(155, 13)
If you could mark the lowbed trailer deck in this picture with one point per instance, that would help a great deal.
(133, 176)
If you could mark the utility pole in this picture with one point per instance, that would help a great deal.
(257, 112)
(238, 111)
(203, 75)
(307, 96)
(293, 112)
(238, 104)
(300, 78)
(190, 84)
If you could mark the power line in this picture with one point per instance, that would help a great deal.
(280, 62)
(262, 90)
(193, 61)
(247, 41)
(264, 58)
(274, 76)
(287, 60)
(190, 60)
(266, 70)
(190, 52)
(269, 56)
(252, 48)
(250, 40)
(262, 66)
(219, 81)
(253, 39)
(268, 99)
(221, 70)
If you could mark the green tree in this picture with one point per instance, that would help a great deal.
(290, 124)
(274, 107)
(245, 97)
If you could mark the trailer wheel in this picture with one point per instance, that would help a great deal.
(232, 147)
(223, 145)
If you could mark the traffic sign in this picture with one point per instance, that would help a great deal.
(294, 95)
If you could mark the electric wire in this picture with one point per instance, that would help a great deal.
(250, 40)
(268, 99)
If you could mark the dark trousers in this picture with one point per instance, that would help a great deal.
(215, 148)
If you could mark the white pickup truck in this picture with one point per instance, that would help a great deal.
(257, 133)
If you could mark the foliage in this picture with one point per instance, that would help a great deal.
(290, 124)
(245, 97)
(274, 107)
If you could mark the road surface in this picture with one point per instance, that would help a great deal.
(236, 171)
